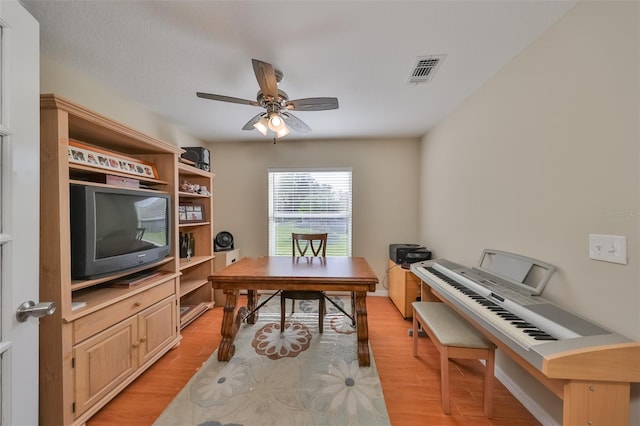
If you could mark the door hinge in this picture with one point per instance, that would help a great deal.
(73, 407)
(73, 362)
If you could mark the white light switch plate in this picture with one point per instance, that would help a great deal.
(608, 248)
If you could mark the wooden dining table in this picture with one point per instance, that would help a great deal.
(351, 274)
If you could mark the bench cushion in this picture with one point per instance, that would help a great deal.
(448, 327)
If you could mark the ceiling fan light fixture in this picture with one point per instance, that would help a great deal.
(284, 131)
(275, 122)
(262, 125)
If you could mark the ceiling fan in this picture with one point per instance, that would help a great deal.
(276, 117)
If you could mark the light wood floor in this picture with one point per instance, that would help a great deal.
(411, 385)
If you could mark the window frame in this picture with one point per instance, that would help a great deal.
(333, 236)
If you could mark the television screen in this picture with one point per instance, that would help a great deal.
(129, 223)
(115, 229)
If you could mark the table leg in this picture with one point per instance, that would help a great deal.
(229, 325)
(362, 329)
(252, 302)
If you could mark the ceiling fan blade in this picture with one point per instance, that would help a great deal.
(312, 104)
(250, 123)
(295, 123)
(266, 77)
(226, 99)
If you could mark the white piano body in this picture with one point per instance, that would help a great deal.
(569, 354)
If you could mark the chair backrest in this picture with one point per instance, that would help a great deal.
(302, 242)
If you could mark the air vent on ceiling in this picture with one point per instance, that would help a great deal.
(424, 68)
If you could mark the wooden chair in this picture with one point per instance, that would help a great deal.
(306, 245)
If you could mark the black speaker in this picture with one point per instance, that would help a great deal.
(200, 156)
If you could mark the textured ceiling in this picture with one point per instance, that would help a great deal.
(159, 53)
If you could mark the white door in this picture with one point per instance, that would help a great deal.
(19, 211)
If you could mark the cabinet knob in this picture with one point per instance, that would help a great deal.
(136, 344)
(137, 304)
(143, 339)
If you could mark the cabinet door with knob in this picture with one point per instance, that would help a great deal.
(102, 362)
(156, 328)
(107, 359)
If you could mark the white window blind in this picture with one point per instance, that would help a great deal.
(310, 201)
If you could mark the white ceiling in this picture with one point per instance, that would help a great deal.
(159, 53)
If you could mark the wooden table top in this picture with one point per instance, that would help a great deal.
(290, 273)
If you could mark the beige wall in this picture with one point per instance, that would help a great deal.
(544, 154)
(68, 83)
(385, 197)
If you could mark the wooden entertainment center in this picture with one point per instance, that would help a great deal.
(102, 336)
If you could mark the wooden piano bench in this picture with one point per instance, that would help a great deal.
(454, 338)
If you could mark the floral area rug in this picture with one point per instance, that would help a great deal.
(299, 377)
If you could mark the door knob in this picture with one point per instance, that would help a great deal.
(30, 308)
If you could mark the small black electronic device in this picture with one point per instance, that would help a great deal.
(393, 250)
(417, 255)
(408, 253)
(223, 241)
(201, 157)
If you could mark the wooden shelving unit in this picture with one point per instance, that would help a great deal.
(195, 292)
(134, 325)
(187, 286)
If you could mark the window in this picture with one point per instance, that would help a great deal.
(310, 201)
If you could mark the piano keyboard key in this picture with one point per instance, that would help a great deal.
(519, 330)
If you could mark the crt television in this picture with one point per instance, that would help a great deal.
(116, 229)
